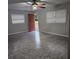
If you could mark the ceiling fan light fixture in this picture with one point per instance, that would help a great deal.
(34, 7)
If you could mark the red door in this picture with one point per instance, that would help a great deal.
(31, 22)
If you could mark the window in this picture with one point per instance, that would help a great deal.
(58, 16)
(51, 17)
(17, 18)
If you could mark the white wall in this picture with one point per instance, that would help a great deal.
(15, 28)
(58, 28)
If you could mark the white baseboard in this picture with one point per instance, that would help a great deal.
(55, 34)
(17, 32)
(41, 31)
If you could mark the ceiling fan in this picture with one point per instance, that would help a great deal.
(37, 4)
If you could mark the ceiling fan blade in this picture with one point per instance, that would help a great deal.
(41, 3)
(45, 2)
(42, 7)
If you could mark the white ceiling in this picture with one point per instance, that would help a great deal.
(25, 6)
(22, 6)
(56, 1)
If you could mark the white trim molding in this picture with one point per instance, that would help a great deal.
(17, 32)
(55, 34)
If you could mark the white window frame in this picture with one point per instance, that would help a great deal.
(17, 18)
(58, 16)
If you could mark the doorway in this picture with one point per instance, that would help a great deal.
(33, 28)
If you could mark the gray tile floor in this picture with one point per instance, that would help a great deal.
(24, 46)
